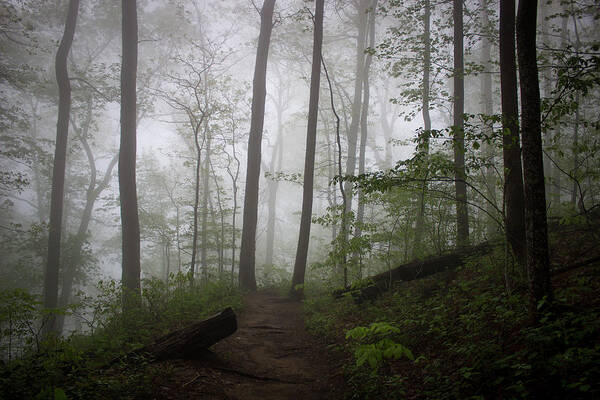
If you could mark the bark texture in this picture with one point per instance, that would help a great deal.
(462, 212)
(511, 148)
(309, 160)
(538, 262)
(60, 157)
(247, 277)
(127, 158)
(415, 269)
(420, 220)
(193, 339)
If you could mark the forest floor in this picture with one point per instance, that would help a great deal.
(271, 356)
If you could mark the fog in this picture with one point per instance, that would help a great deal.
(195, 73)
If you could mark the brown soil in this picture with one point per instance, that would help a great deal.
(271, 356)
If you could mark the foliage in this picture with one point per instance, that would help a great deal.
(375, 344)
(473, 337)
(87, 365)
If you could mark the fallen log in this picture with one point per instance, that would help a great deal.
(192, 339)
(416, 269)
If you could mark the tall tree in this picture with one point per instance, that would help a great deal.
(309, 160)
(352, 132)
(360, 212)
(247, 276)
(60, 156)
(538, 262)
(487, 109)
(420, 221)
(130, 224)
(460, 176)
(281, 103)
(511, 149)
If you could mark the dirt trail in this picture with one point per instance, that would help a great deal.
(271, 356)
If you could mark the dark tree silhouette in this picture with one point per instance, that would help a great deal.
(58, 171)
(511, 149)
(247, 277)
(309, 161)
(127, 182)
(538, 262)
(462, 212)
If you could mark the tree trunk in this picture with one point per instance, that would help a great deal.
(273, 184)
(487, 109)
(205, 195)
(420, 221)
(462, 212)
(127, 159)
(360, 212)
(357, 102)
(193, 339)
(511, 149)
(221, 247)
(556, 172)
(309, 162)
(248, 248)
(93, 192)
(415, 269)
(575, 188)
(58, 171)
(538, 263)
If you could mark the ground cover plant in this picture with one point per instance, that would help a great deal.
(95, 364)
(465, 334)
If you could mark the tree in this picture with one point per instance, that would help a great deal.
(352, 132)
(248, 247)
(360, 212)
(420, 221)
(309, 161)
(460, 175)
(60, 155)
(511, 149)
(538, 262)
(131, 267)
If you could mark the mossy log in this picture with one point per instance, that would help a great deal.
(193, 339)
(416, 269)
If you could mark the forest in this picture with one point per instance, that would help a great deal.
(294, 199)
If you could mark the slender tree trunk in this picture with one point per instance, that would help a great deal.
(574, 190)
(487, 109)
(511, 148)
(538, 262)
(205, 197)
(331, 191)
(309, 162)
(546, 85)
(462, 213)
(360, 212)
(58, 171)
(420, 221)
(234, 189)
(127, 159)
(221, 247)
(93, 192)
(357, 102)
(248, 248)
(198, 147)
(273, 184)
(556, 172)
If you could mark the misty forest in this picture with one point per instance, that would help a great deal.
(293, 199)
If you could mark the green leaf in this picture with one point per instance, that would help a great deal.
(59, 394)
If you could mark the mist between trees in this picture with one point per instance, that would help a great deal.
(168, 141)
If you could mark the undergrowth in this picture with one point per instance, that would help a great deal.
(463, 335)
(91, 365)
